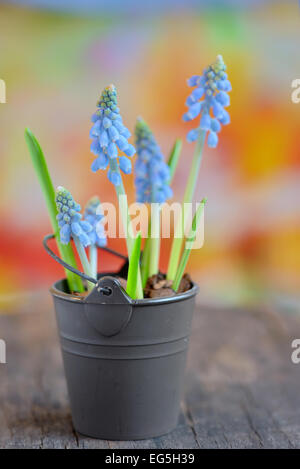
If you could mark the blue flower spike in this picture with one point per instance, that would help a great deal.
(151, 172)
(71, 225)
(69, 218)
(109, 135)
(210, 96)
(208, 101)
(93, 215)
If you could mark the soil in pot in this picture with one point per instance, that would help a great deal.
(157, 286)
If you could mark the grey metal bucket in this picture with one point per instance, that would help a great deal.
(124, 359)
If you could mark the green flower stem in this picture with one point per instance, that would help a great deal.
(133, 269)
(188, 245)
(40, 166)
(174, 158)
(155, 239)
(194, 172)
(84, 261)
(123, 207)
(154, 245)
(188, 197)
(93, 260)
(146, 257)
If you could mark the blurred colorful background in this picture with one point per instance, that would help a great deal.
(56, 57)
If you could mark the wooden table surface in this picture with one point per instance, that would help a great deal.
(242, 389)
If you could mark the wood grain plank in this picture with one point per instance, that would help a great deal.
(242, 377)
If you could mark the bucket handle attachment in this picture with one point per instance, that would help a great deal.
(116, 307)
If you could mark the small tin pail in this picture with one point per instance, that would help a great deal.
(124, 359)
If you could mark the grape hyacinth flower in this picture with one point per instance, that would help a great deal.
(93, 216)
(209, 95)
(152, 177)
(69, 218)
(71, 225)
(109, 135)
(151, 172)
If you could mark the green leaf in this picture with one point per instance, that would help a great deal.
(190, 240)
(133, 269)
(40, 166)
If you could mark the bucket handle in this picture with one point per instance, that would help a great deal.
(108, 292)
(73, 269)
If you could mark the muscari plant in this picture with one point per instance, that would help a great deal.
(109, 137)
(72, 226)
(152, 180)
(207, 100)
(152, 177)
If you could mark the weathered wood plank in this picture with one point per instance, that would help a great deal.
(241, 387)
(245, 390)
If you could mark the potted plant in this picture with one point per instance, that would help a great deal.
(124, 336)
